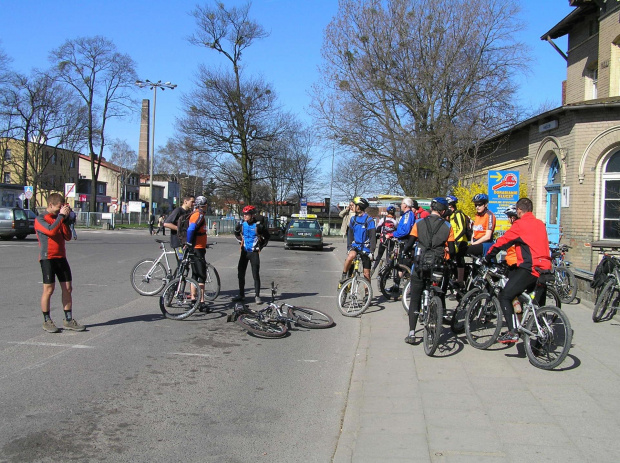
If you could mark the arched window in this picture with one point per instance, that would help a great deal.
(610, 228)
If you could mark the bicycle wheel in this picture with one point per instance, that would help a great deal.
(406, 296)
(354, 296)
(551, 340)
(565, 284)
(460, 313)
(310, 318)
(390, 284)
(212, 283)
(553, 297)
(433, 325)
(607, 302)
(262, 328)
(180, 299)
(148, 278)
(483, 321)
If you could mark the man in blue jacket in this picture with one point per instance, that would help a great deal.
(407, 219)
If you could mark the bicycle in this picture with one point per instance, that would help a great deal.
(565, 282)
(547, 331)
(393, 276)
(355, 293)
(274, 320)
(608, 300)
(431, 308)
(149, 277)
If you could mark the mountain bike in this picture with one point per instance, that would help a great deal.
(608, 300)
(354, 294)
(274, 320)
(565, 282)
(393, 276)
(181, 297)
(149, 277)
(431, 308)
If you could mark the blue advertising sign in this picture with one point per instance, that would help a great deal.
(503, 191)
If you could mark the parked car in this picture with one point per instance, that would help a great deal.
(14, 222)
(31, 218)
(303, 232)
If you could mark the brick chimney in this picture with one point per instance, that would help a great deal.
(143, 147)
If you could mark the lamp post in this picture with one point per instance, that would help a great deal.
(153, 86)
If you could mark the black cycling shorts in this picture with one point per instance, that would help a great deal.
(52, 268)
(365, 258)
(199, 265)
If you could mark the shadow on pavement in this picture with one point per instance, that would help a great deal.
(138, 318)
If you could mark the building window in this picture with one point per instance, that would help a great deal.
(7, 177)
(54, 158)
(72, 163)
(611, 198)
(7, 155)
(592, 82)
(100, 189)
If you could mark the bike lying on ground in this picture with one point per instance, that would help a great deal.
(274, 320)
(354, 294)
(547, 334)
(181, 297)
(565, 282)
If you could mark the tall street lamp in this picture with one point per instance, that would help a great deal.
(153, 86)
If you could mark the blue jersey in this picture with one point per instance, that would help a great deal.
(250, 236)
(362, 227)
(405, 225)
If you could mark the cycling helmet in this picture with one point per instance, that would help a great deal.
(481, 198)
(200, 201)
(361, 202)
(391, 210)
(452, 199)
(249, 210)
(439, 204)
(511, 211)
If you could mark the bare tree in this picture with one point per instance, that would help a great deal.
(414, 83)
(126, 159)
(230, 115)
(103, 79)
(43, 117)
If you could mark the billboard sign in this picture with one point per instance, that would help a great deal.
(503, 192)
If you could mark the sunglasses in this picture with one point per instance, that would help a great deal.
(479, 204)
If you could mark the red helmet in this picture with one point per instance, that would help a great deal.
(249, 210)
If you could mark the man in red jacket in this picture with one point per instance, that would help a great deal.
(52, 232)
(529, 236)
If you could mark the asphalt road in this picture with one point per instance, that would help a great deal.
(138, 387)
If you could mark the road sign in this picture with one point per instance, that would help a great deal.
(113, 207)
(503, 192)
(28, 191)
(69, 190)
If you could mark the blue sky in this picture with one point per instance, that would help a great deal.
(154, 34)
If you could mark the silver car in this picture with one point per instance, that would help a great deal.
(14, 222)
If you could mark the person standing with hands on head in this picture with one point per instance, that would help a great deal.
(197, 240)
(253, 236)
(52, 231)
(361, 239)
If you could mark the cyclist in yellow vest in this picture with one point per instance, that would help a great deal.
(458, 220)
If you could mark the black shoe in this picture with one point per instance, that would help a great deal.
(411, 340)
(203, 307)
(239, 298)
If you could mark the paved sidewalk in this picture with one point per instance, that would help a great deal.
(466, 404)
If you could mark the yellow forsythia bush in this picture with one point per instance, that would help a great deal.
(465, 195)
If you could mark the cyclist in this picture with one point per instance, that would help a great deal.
(458, 220)
(529, 236)
(511, 252)
(197, 239)
(361, 239)
(484, 227)
(385, 232)
(253, 235)
(433, 235)
(173, 219)
(407, 219)
(418, 211)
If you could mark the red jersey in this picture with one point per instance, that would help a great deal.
(529, 236)
(52, 232)
(421, 213)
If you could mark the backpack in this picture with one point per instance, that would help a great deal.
(183, 225)
(604, 268)
(469, 227)
(430, 249)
